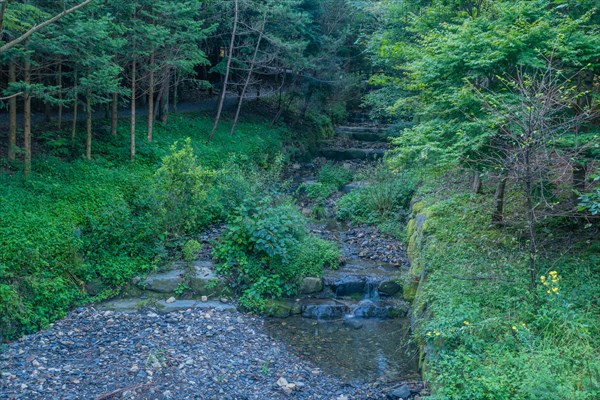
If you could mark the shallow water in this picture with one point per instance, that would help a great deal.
(380, 350)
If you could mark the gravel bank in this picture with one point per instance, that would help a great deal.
(192, 354)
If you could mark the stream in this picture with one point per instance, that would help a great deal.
(356, 328)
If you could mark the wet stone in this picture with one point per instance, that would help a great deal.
(389, 288)
(324, 310)
(311, 285)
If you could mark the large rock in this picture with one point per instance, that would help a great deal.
(311, 285)
(368, 309)
(165, 307)
(200, 278)
(204, 282)
(347, 285)
(324, 310)
(164, 282)
(282, 308)
(389, 288)
(401, 393)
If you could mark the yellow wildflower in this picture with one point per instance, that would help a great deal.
(467, 323)
(514, 328)
(555, 289)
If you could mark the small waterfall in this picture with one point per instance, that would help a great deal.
(371, 286)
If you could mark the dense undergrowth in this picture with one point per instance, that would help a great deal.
(78, 230)
(485, 333)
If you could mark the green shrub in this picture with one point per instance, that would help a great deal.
(317, 191)
(180, 190)
(590, 202)
(191, 250)
(385, 193)
(266, 249)
(333, 175)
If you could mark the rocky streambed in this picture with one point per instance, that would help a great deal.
(176, 334)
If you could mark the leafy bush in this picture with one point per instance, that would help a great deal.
(317, 191)
(590, 202)
(329, 179)
(190, 250)
(180, 190)
(266, 249)
(333, 175)
(385, 193)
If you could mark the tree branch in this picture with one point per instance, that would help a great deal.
(41, 26)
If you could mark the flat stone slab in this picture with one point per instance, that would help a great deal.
(352, 154)
(181, 305)
(200, 278)
(163, 282)
(161, 306)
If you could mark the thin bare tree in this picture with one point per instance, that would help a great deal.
(227, 69)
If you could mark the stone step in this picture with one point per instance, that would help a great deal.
(329, 309)
(164, 306)
(359, 278)
(199, 279)
(370, 137)
(361, 128)
(340, 154)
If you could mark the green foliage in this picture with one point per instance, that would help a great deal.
(489, 335)
(103, 222)
(590, 202)
(385, 193)
(333, 175)
(330, 179)
(318, 190)
(266, 249)
(435, 56)
(180, 192)
(191, 249)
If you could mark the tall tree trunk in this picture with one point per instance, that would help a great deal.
(114, 114)
(12, 113)
(476, 188)
(75, 108)
(27, 127)
(307, 100)
(245, 87)
(498, 215)
(88, 126)
(151, 99)
(227, 69)
(162, 102)
(532, 247)
(579, 180)
(60, 94)
(175, 91)
(132, 124)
